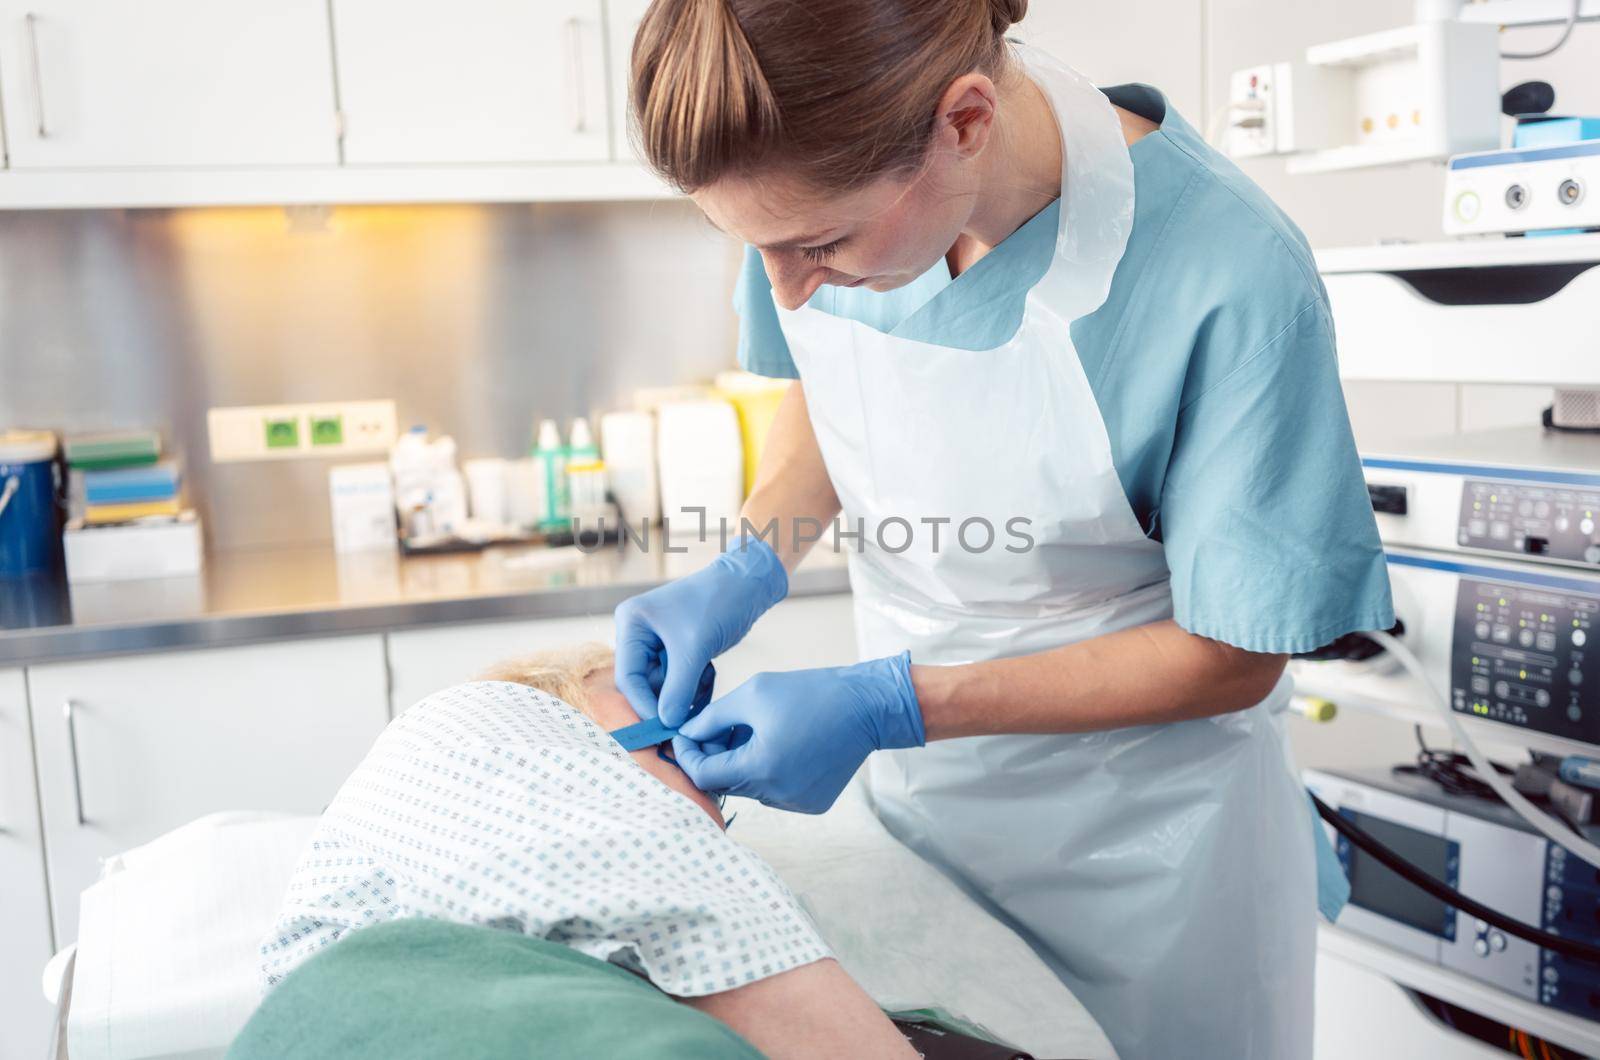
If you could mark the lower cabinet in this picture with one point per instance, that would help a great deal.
(797, 634)
(25, 942)
(129, 748)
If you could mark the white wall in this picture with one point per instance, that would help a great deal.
(1188, 47)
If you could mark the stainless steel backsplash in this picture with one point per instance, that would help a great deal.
(474, 319)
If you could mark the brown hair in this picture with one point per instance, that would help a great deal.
(839, 92)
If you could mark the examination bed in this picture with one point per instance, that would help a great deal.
(166, 962)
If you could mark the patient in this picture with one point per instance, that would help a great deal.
(505, 803)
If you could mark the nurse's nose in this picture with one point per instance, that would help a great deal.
(794, 280)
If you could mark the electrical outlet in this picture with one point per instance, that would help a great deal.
(1252, 127)
(281, 432)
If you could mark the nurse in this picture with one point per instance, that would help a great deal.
(1068, 398)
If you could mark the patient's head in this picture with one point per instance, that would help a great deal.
(582, 676)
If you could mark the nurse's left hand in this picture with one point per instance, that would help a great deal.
(795, 739)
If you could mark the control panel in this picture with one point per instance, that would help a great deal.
(1484, 851)
(1571, 909)
(1530, 519)
(1521, 656)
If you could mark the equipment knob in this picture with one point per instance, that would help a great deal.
(1481, 947)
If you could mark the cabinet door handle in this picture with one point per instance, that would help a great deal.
(38, 74)
(69, 711)
(580, 103)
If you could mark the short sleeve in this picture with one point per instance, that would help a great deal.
(762, 347)
(1264, 513)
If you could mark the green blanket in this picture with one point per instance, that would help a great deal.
(426, 989)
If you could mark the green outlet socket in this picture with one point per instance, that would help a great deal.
(283, 433)
(327, 430)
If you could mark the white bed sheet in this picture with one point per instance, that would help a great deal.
(167, 954)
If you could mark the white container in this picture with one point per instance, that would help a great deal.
(586, 486)
(486, 489)
(701, 464)
(133, 550)
(361, 498)
(628, 441)
(526, 499)
(430, 494)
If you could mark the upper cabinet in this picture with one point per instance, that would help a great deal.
(167, 83)
(624, 17)
(472, 81)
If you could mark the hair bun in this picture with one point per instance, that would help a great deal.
(1006, 13)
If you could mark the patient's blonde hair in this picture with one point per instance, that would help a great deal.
(560, 672)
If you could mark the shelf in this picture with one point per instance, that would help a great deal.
(1527, 12)
(1360, 156)
(1553, 1025)
(1465, 253)
(22, 189)
(1379, 47)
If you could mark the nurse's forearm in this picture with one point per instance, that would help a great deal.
(1141, 676)
(792, 491)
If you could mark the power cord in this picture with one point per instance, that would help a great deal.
(1566, 35)
(1449, 770)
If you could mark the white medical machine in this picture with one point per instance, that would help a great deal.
(1493, 545)
(1422, 91)
(1524, 189)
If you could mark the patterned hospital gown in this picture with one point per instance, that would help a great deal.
(496, 804)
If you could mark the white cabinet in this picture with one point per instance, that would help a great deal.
(622, 25)
(25, 943)
(434, 82)
(106, 83)
(797, 634)
(129, 748)
(422, 661)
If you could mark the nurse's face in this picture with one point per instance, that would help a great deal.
(880, 236)
(883, 235)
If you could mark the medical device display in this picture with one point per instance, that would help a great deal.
(1511, 644)
(1523, 189)
(1488, 853)
(1523, 492)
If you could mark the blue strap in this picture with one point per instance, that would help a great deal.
(638, 736)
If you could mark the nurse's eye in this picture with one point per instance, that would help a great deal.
(818, 255)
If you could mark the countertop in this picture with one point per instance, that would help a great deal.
(260, 595)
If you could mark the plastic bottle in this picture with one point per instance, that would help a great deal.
(551, 458)
(581, 447)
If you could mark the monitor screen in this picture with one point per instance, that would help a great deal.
(1378, 888)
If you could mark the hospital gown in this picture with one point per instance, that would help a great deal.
(1212, 364)
(498, 805)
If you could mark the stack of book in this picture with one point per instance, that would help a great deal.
(123, 478)
(126, 503)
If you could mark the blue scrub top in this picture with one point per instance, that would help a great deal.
(1212, 362)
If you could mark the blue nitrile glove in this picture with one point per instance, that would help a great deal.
(795, 739)
(667, 637)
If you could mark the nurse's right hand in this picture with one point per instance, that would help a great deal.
(668, 636)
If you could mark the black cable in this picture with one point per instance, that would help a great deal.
(1451, 771)
(1449, 895)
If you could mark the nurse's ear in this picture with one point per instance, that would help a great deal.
(965, 117)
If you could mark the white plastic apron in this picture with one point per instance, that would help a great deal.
(1166, 873)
